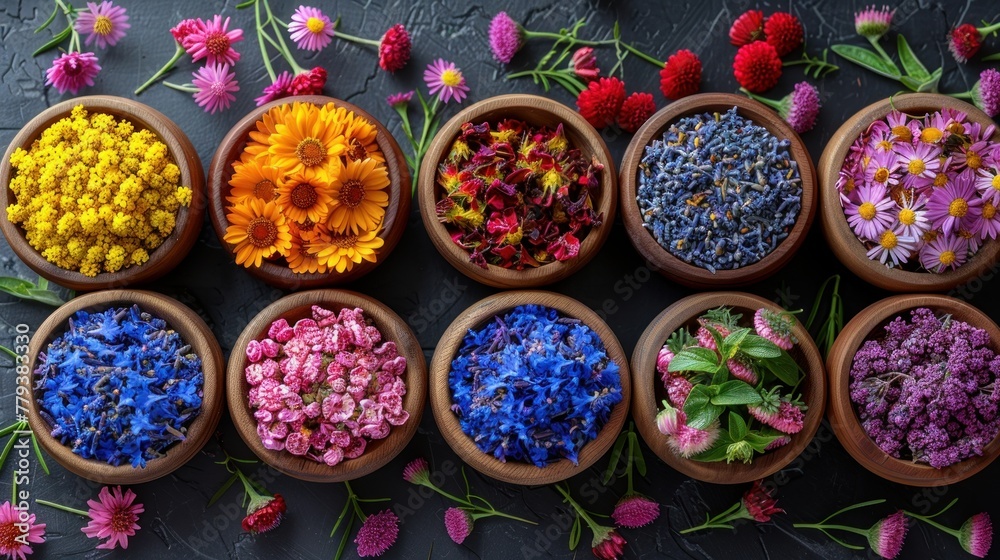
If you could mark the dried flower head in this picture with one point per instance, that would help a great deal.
(264, 514)
(417, 471)
(784, 32)
(584, 63)
(976, 535)
(377, 534)
(635, 111)
(505, 37)
(608, 544)
(760, 503)
(802, 107)
(872, 22)
(458, 523)
(886, 536)
(757, 66)
(602, 101)
(681, 75)
(747, 28)
(964, 42)
(394, 48)
(634, 510)
(986, 92)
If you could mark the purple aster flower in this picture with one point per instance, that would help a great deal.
(986, 92)
(400, 99)
(956, 206)
(873, 23)
(803, 107)
(71, 71)
(989, 225)
(280, 88)
(105, 23)
(882, 168)
(505, 37)
(948, 251)
(919, 163)
(893, 247)
(911, 217)
(446, 80)
(872, 214)
(215, 85)
(988, 183)
(310, 28)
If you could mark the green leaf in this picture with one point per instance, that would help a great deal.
(54, 41)
(24, 289)
(759, 441)
(699, 409)
(616, 454)
(574, 533)
(720, 376)
(718, 450)
(222, 490)
(759, 347)
(911, 84)
(784, 368)
(735, 392)
(911, 64)
(867, 59)
(38, 453)
(46, 23)
(638, 460)
(990, 58)
(931, 84)
(737, 426)
(695, 359)
(732, 342)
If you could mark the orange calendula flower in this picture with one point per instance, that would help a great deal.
(359, 134)
(255, 179)
(302, 259)
(342, 251)
(361, 196)
(304, 139)
(266, 126)
(258, 230)
(306, 197)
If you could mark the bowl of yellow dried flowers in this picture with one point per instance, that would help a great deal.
(308, 192)
(101, 192)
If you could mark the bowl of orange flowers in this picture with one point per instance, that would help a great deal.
(309, 191)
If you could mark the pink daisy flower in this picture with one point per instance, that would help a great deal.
(458, 523)
(310, 28)
(872, 214)
(886, 536)
(114, 517)
(988, 184)
(976, 535)
(215, 85)
(880, 140)
(919, 164)
(911, 218)
(881, 169)
(13, 539)
(688, 442)
(901, 126)
(277, 90)
(956, 206)
(446, 80)
(947, 251)
(848, 180)
(972, 156)
(71, 71)
(935, 128)
(214, 42)
(377, 534)
(104, 23)
(893, 247)
(635, 510)
(989, 225)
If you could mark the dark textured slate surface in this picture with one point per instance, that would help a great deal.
(176, 523)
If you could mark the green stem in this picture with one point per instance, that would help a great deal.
(885, 56)
(853, 507)
(260, 42)
(736, 511)
(296, 69)
(178, 53)
(823, 527)
(564, 37)
(62, 507)
(594, 527)
(932, 523)
(628, 464)
(642, 55)
(966, 95)
(984, 31)
(187, 88)
(776, 105)
(355, 39)
(248, 486)
(352, 499)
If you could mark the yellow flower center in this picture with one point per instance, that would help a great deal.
(881, 175)
(451, 77)
(931, 135)
(889, 240)
(352, 193)
(902, 132)
(356, 150)
(907, 217)
(264, 190)
(884, 145)
(995, 183)
(103, 25)
(955, 128)
(310, 152)
(262, 232)
(973, 160)
(940, 180)
(304, 195)
(989, 211)
(217, 43)
(849, 185)
(947, 257)
(866, 211)
(916, 167)
(345, 241)
(315, 25)
(958, 208)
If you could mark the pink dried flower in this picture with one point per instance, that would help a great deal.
(71, 71)
(394, 48)
(417, 471)
(505, 37)
(105, 23)
(216, 85)
(790, 418)
(114, 517)
(803, 107)
(670, 419)
(873, 23)
(742, 370)
(986, 92)
(663, 359)
(310, 28)
(886, 536)
(458, 523)
(185, 30)
(14, 538)
(634, 510)
(777, 442)
(214, 42)
(976, 535)
(775, 326)
(377, 534)
(608, 544)
(759, 503)
(584, 63)
(678, 389)
(688, 442)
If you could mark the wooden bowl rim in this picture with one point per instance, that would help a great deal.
(841, 238)
(276, 274)
(662, 260)
(515, 472)
(378, 452)
(192, 329)
(188, 219)
(645, 405)
(844, 418)
(580, 133)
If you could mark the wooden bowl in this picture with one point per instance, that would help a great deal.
(841, 238)
(646, 404)
(516, 472)
(378, 452)
(174, 248)
(194, 332)
(843, 417)
(277, 273)
(659, 258)
(537, 111)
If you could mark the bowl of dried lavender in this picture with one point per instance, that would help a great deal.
(529, 387)
(517, 191)
(123, 386)
(717, 190)
(913, 389)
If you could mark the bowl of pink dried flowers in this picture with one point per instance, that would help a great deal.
(518, 191)
(326, 385)
(732, 387)
(913, 389)
(910, 188)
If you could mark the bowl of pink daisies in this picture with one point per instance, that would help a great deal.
(909, 191)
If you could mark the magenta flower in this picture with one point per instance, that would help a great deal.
(105, 23)
(458, 523)
(377, 534)
(277, 90)
(670, 419)
(986, 92)
(873, 23)
(803, 107)
(505, 37)
(215, 85)
(989, 225)
(584, 63)
(882, 168)
(742, 370)
(976, 535)
(114, 517)
(988, 183)
(775, 326)
(310, 28)
(417, 471)
(214, 42)
(634, 510)
(394, 48)
(872, 214)
(920, 163)
(400, 99)
(185, 30)
(947, 251)
(688, 442)
(13, 537)
(71, 71)
(446, 80)
(956, 206)
(886, 536)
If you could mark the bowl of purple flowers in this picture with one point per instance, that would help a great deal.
(529, 387)
(122, 386)
(910, 188)
(913, 389)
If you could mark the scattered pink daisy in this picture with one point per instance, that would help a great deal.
(635, 510)
(114, 517)
(214, 42)
(919, 163)
(71, 71)
(976, 535)
(872, 214)
(886, 536)
(872, 22)
(458, 523)
(446, 80)
(104, 23)
(947, 251)
(277, 90)
(400, 99)
(215, 85)
(310, 28)
(505, 37)
(955, 206)
(893, 248)
(13, 538)
(377, 534)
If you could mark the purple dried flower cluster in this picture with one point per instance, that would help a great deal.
(927, 389)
